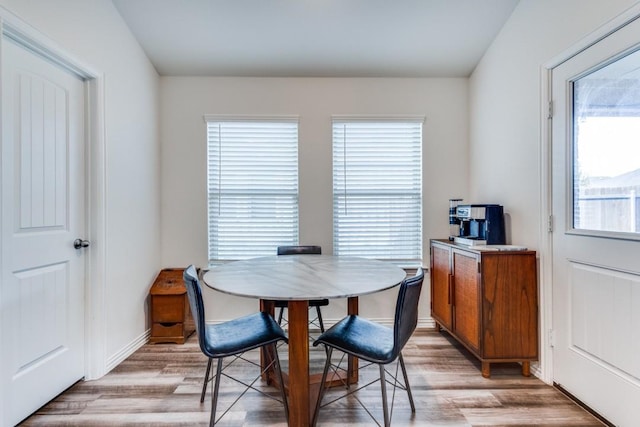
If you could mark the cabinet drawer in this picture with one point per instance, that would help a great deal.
(167, 330)
(168, 308)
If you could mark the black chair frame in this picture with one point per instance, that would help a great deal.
(258, 330)
(405, 322)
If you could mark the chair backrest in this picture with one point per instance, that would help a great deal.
(406, 318)
(194, 293)
(299, 250)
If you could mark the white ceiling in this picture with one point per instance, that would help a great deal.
(315, 38)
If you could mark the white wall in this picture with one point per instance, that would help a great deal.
(506, 120)
(185, 100)
(505, 104)
(94, 33)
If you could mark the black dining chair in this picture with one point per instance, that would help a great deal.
(317, 303)
(232, 339)
(376, 344)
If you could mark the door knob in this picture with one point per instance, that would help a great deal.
(79, 243)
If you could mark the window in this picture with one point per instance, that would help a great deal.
(252, 175)
(606, 149)
(377, 188)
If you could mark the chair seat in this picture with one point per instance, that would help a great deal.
(312, 303)
(362, 338)
(242, 334)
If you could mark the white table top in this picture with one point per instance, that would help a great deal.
(304, 277)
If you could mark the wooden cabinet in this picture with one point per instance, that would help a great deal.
(171, 319)
(487, 300)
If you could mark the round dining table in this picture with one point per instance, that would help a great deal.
(298, 279)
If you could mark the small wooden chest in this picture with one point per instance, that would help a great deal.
(171, 319)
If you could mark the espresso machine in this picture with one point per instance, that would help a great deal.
(480, 224)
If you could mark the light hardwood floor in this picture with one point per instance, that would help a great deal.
(160, 385)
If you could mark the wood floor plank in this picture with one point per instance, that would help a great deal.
(160, 384)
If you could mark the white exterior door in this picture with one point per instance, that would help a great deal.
(596, 239)
(43, 212)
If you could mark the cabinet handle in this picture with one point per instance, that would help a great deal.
(449, 286)
(453, 290)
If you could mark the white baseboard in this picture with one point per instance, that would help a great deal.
(423, 323)
(537, 372)
(426, 323)
(127, 351)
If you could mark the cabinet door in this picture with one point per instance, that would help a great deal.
(466, 298)
(509, 306)
(440, 286)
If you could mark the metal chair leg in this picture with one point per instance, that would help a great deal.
(319, 313)
(280, 316)
(214, 394)
(383, 386)
(323, 386)
(206, 381)
(406, 383)
(274, 348)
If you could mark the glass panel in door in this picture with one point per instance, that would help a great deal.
(606, 148)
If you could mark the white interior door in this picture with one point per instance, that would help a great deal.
(43, 212)
(596, 239)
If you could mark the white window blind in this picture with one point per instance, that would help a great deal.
(252, 187)
(377, 189)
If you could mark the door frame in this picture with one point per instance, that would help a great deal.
(545, 371)
(11, 26)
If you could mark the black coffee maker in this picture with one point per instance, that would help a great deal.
(481, 224)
